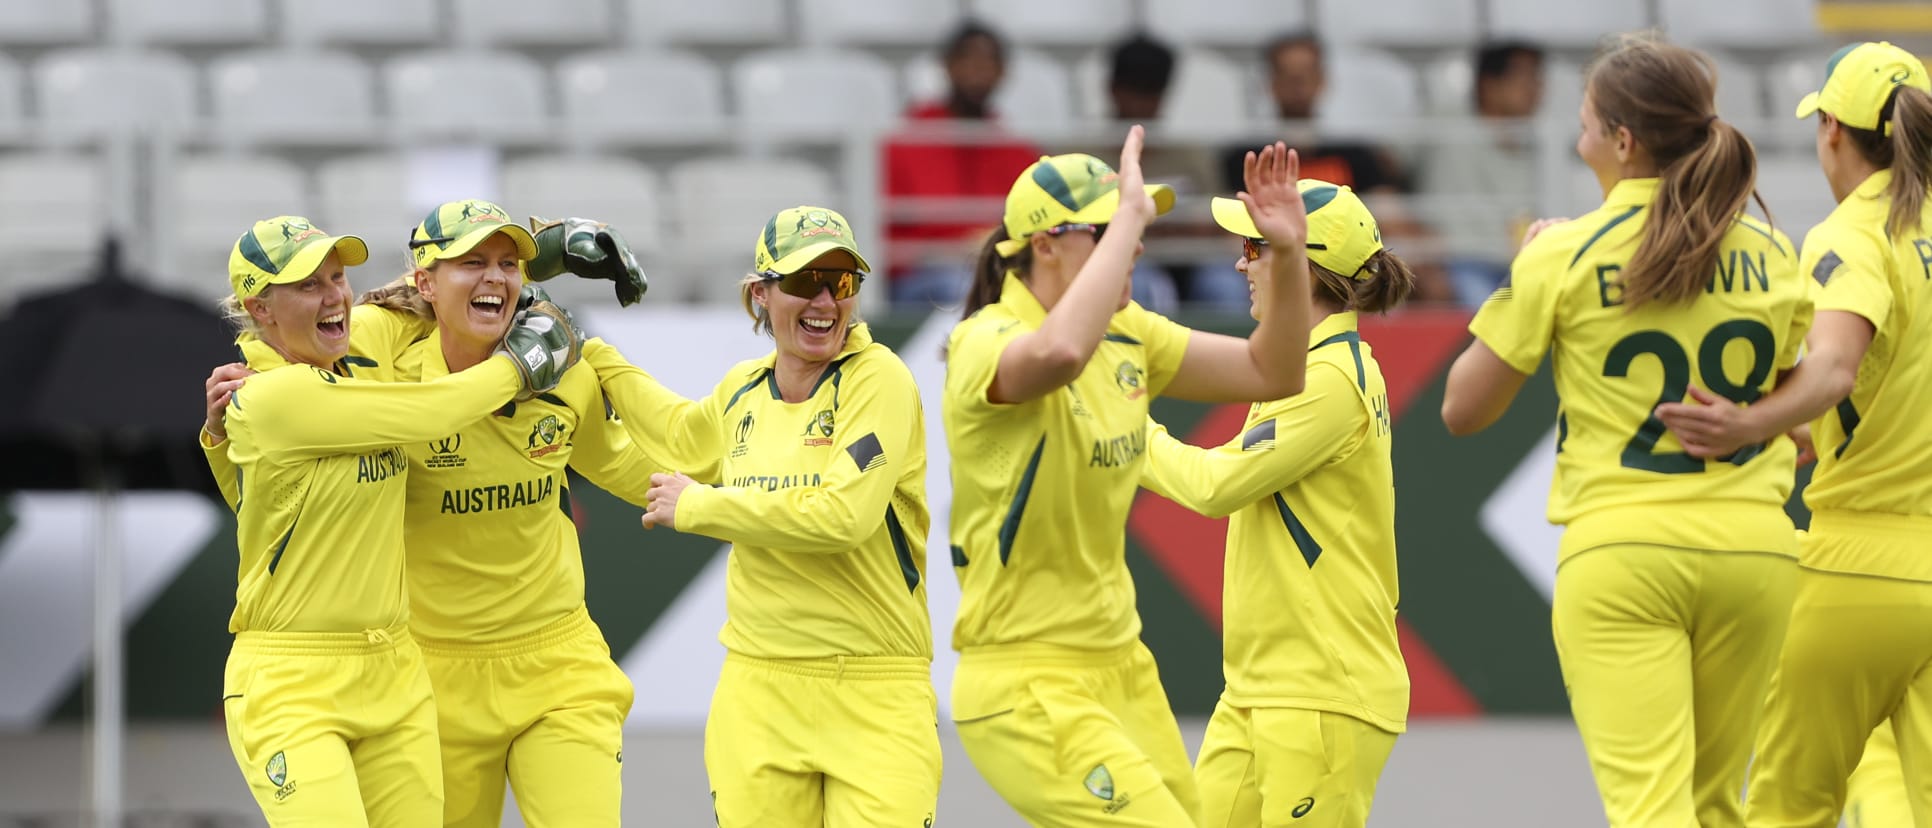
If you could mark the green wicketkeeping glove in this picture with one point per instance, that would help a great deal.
(589, 249)
(543, 341)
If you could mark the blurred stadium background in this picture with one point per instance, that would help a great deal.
(139, 137)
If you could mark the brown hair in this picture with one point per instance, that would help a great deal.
(989, 271)
(1907, 152)
(1664, 95)
(1389, 283)
(400, 295)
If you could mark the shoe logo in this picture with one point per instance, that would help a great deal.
(1302, 808)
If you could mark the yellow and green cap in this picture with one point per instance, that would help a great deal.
(456, 227)
(797, 235)
(1859, 82)
(285, 249)
(1067, 189)
(1341, 232)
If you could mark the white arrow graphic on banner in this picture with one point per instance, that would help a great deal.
(46, 584)
(1514, 518)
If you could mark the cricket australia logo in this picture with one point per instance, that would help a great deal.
(546, 436)
(818, 432)
(277, 770)
(819, 223)
(1129, 377)
(1100, 783)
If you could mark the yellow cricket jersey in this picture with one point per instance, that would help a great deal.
(493, 550)
(1620, 475)
(823, 501)
(1875, 449)
(321, 466)
(1310, 589)
(1041, 488)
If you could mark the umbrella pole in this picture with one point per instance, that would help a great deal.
(109, 720)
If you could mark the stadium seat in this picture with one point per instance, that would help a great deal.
(1570, 26)
(209, 201)
(91, 91)
(53, 214)
(1223, 22)
(1448, 85)
(41, 22)
(1794, 188)
(1399, 23)
(371, 22)
(368, 195)
(721, 205)
(466, 93)
(188, 22)
(1740, 24)
(898, 23)
(1036, 90)
(13, 110)
(1207, 89)
(1063, 23)
(709, 22)
(617, 191)
(1740, 92)
(641, 93)
(251, 96)
(1367, 89)
(512, 22)
(820, 92)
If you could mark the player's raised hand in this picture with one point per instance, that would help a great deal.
(1273, 195)
(220, 387)
(1136, 206)
(661, 500)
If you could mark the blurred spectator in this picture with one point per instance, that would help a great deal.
(1482, 183)
(947, 173)
(1297, 77)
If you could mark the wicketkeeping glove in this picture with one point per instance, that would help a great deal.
(543, 341)
(589, 249)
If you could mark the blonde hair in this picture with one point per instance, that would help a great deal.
(400, 295)
(237, 316)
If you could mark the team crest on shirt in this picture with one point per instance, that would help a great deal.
(1129, 377)
(1100, 782)
(546, 436)
(818, 431)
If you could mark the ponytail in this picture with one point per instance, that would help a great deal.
(400, 295)
(1389, 283)
(989, 271)
(1664, 94)
(1911, 161)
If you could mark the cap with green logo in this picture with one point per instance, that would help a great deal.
(1067, 189)
(798, 235)
(1341, 232)
(285, 249)
(1859, 82)
(457, 227)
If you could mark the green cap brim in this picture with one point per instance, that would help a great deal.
(1102, 210)
(526, 244)
(352, 251)
(1808, 105)
(803, 256)
(1232, 215)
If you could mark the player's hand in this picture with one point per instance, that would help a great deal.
(1539, 226)
(1712, 426)
(587, 249)
(220, 387)
(1136, 206)
(661, 500)
(1802, 436)
(1273, 196)
(543, 341)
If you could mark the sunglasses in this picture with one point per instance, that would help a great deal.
(808, 283)
(1097, 230)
